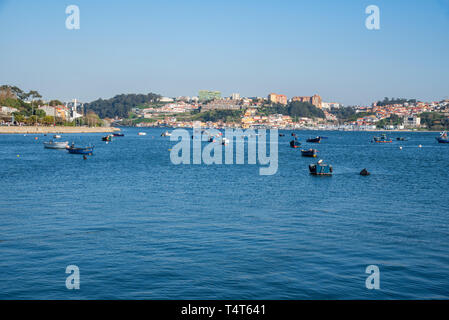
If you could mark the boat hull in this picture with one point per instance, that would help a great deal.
(320, 170)
(309, 153)
(88, 150)
(56, 145)
(442, 140)
(314, 140)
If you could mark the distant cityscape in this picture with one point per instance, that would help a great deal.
(212, 110)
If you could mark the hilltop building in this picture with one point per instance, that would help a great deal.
(315, 100)
(205, 95)
(277, 98)
(235, 96)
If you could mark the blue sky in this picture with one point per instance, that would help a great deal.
(251, 47)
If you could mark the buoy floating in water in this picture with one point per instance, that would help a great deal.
(400, 148)
(420, 146)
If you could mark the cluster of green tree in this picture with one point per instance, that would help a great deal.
(343, 114)
(120, 105)
(394, 120)
(294, 109)
(386, 101)
(219, 115)
(434, 121)
(14, 97)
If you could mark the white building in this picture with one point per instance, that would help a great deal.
(7, 110)
(49, 111)
(235, 96)
(412, 121)
(166, 99)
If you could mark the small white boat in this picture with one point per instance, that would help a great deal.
(56, 144)
(57, 136)
(225, 141)
(142, 133)
(166, 134)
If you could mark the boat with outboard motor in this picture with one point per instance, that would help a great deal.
(295, 143)
(382, 139)
(314, 140)
(309, 153)
(86, 150)
(443, 138)
(56, 144)
(320, 169)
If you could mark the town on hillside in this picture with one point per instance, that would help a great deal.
(211, 109)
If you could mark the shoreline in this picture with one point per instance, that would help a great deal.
(57, 129)
(294, 129)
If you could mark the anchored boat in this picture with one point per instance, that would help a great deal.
(314, 140)
(443, 138)
(295, 143)
(107, 138)
(309, 153)
(86, 150)
(320, 169)
(118, 134)
(165, 134)
(382, 139)
(56, 144)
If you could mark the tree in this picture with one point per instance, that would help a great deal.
(55, 103)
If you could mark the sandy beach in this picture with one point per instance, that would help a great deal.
(57, 129)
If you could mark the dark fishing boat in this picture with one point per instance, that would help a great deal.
(309, 153)
(118, 134)
(295, 143)
(107, 138)
(86, 150)
(443, 138)
(314, 140)
(320, 169)
(281, 135)
(382, 139)
(401, 139)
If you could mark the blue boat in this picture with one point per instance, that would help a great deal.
(314, 140)
(320, 169)
(443, 138)
(87, 150)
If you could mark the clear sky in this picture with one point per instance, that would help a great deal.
(252, 47)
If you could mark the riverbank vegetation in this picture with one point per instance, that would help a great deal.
(121, 105)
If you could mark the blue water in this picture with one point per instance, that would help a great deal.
(139, 227)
